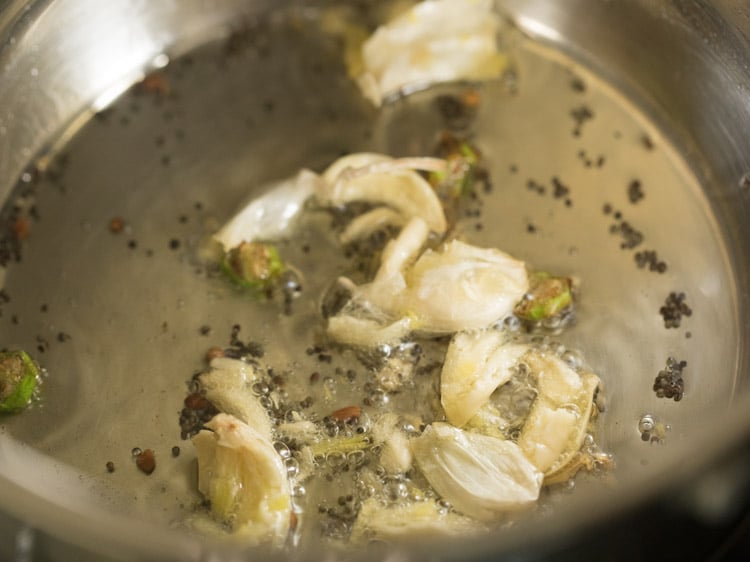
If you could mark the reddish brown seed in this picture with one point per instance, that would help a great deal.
(155, 83)
(21, 228)
(116, 225)
(471, 98)
(315, 377)
(347, 414)
(213, 353)
(196, 401)
(293, 521)
(146, 461)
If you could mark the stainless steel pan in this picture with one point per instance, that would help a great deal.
(673, 72)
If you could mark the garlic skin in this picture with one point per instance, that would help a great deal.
(370, 222)
(435, 41)
(483, 477)
(270, 216)
(382, 180)
(245, 480)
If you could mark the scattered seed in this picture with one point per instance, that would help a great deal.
(347, 414)
(213, 353)
(155, 83)
(669, 383)
(21, 228)
(116, 225)
(146, 461)
(674, 309)
(196, 401)
(635, 191)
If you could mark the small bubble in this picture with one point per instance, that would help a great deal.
(512, 323)
(573, 359)
(646, 424)
(335, 459)
(378, 398)
(396, 490)
(260, 388)
(291, 416)
(282, 449)
(136, 451)
(356, 458)
(384, 350)
(292, 467)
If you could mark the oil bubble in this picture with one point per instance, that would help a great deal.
(282, 449)
(260, 388)
(646, 424)
(356, 458)
(512, 323)
(292, 467)
(573, 359)
(335, 459)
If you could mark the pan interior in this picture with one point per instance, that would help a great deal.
(122, 320)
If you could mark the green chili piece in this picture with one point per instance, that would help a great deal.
(547, 297)
(18, 379)
(253, 265)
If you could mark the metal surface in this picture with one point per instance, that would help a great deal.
(676, 71)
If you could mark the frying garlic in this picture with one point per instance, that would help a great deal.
(228, 387)
(270, 216)
(435, 41)
(475, 365)
(482, 476)
(382, 180)
(245, 480)
(556, 426)
(409, 521)
(458, 287)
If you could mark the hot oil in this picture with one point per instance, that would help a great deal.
(114, 296)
